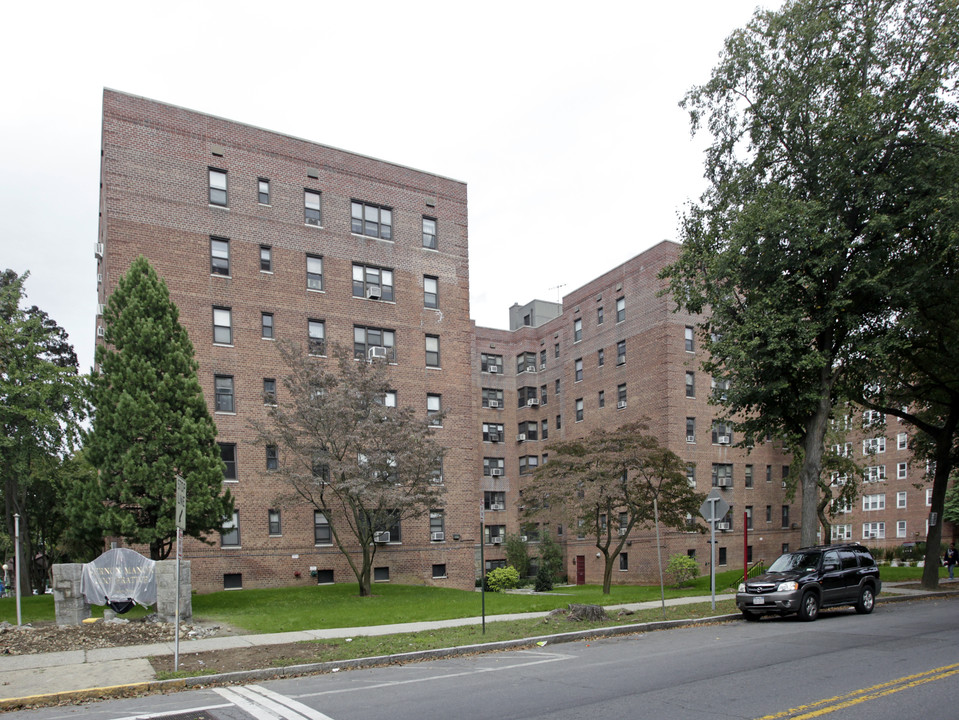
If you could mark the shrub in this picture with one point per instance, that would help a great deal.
(503, 578)
(544, 579)
(682, 569)
(517, 554)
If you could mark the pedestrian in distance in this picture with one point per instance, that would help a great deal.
(951, 559)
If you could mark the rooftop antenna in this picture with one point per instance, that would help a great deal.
(556, 288)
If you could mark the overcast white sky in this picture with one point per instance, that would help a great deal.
(561, 117)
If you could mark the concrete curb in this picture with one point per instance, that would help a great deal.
(245, 676)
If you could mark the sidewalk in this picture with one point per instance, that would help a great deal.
(50, 678)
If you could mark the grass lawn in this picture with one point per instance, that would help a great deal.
(332, 606)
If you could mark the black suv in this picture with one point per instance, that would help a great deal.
(812, 578)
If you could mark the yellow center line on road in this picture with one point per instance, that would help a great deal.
(840, 702)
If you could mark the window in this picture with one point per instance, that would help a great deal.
(841, 533)
(556, 351)
(439, 570)
(525, 362)
(874, 473)
(577, 330)
(371, 220)
(316, 337)
(578, 369)
(529, 430)
(902, 441)
(901, 499)
(493, 432)
(314, 272)
(494, 500)
(437, 526)
(769, 473)
(901, 529)
(269, 391)
(223, 393)
(544, 434)
(600, 357)
(230, 533)
(365, 338)
(542, 359)
(559, 422)
(492, 398)
(266, 326)
(785, 514)
(263, 191)
(543, 399)
(928, 497)
(273, 522)
(874, 502)
(491, 363)
(434, 409)
(372, 282)
(228, 456)
(691, 475)
(217, 187)
(722, 475)
(388, 399)
(433, 351)
(493, 467)
(526, 396)
(494, 534)
(222, 326)
(722, 433)
(690, 384)
(599, 315)
(719, 388)
(528, 464)
(272, 458)
(266, 259)
(579, 409)
(321, 529)
(602, 398)
(429, 233)
(557, 387)
(748, 479)
(620, 309)
(690, 429)
(749, 517)
(312, 207)
(623, 561)
(621, 352)
(621, 396)
(769, 513)
(689, 338)
(220, 256)
(872, 446)
(902, 471)
(871, 418)
(431, 292)
(874, 530)
(721, 560)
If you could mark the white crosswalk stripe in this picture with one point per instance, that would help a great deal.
(265, 704)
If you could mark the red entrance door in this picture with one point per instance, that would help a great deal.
(580, 569)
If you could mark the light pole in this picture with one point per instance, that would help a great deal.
(16, 560)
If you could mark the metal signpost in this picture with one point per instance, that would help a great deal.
(16, 562)
(180, 527)
(713, 509)
(483, 562)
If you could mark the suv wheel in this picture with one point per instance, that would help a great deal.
(867, 600)
(752, 617)
(809, 607)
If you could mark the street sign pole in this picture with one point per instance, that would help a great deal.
(483, 562)
(713, 509)
(180, 518)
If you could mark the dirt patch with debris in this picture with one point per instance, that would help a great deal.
(247, 658)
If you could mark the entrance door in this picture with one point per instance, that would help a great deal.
(580, 569)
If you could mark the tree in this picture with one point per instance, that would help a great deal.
(363, 464)
(827, 118)
(517, 554)
(42, 402)
(606, 483)
(151, 422)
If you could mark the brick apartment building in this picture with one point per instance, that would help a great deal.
(261, 236)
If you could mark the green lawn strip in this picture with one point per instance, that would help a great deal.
(332, 606)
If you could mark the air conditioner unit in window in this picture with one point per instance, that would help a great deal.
(622, 531)
(494, 404)
(373, 293)
(690, 438)
(496, 506)
(523, 538)
(494, 437)
(496, 472)
(98, 250)
(100, 308)
(99, 278)
(437, 536)
(532, 402)
(621, 404)
(381, 537)
(724, 482)
(521, 437)
(496, 540)
(530, 368)
(492, 369)
(376, 352)
(724, 439)
(100, 331)
(542, 366)
(723, 526)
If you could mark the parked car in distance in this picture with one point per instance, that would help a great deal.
(811, 578)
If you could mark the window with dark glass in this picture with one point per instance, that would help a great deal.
(432, 350)
(578, 369)
(230, 533)
(312, 206)
(322, 535)
(273, 522)
(314, 272)
(266, 326)
(272, 458)
(266, 259)
(223, 393)
(431, 292)
(263, 191)
(316, 337)
(621, 352)
(620, 309)
(222, 326)
(367, 338)
(429, 233)
(228, 456)
(217, 187)
(491, 363)
(371, 220)
(372, 282)
(269, 391)
(577, 330)
(219, 256)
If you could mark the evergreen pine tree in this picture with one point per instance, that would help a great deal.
(151, 422)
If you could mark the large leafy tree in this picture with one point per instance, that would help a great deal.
(42, 403)
(606, 483)
(151, 422)
(827, 119)
(363, 463)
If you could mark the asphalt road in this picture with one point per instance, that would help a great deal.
(900, 662)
